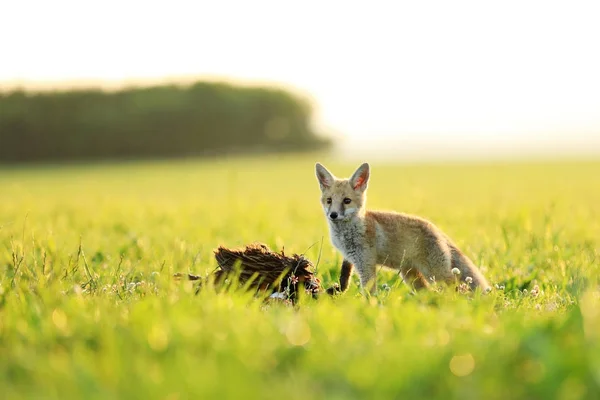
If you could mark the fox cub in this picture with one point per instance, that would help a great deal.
(412, 245)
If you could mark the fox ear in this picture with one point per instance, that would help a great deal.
(360, 178)
(324, 177)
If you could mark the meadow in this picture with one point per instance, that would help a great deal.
(89, 307)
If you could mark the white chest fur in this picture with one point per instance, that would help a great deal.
(348, 237)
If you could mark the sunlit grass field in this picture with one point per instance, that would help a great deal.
(89, 307)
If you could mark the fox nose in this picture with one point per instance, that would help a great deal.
(333, 215)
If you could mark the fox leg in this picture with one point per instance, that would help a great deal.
(368, 280)
(413, 278)
(436, 266)
(367, 272)
(345, 273)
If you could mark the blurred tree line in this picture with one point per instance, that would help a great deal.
(161, 121)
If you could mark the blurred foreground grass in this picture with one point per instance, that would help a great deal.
(89, 308)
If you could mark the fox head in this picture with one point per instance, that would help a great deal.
(343, 199)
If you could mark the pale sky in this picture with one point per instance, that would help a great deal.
(452, 72)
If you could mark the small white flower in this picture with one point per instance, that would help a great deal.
(385, 287)
(455, 271)
(278, 295)
(468, 279)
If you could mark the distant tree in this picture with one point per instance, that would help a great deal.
(160, 121)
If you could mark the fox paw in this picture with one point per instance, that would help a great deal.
(334, 290)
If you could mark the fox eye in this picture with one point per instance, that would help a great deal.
(329, 200)
(347, 200)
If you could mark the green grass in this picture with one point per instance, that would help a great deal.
(89, 308)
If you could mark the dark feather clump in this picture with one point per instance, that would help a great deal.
(259, 268)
